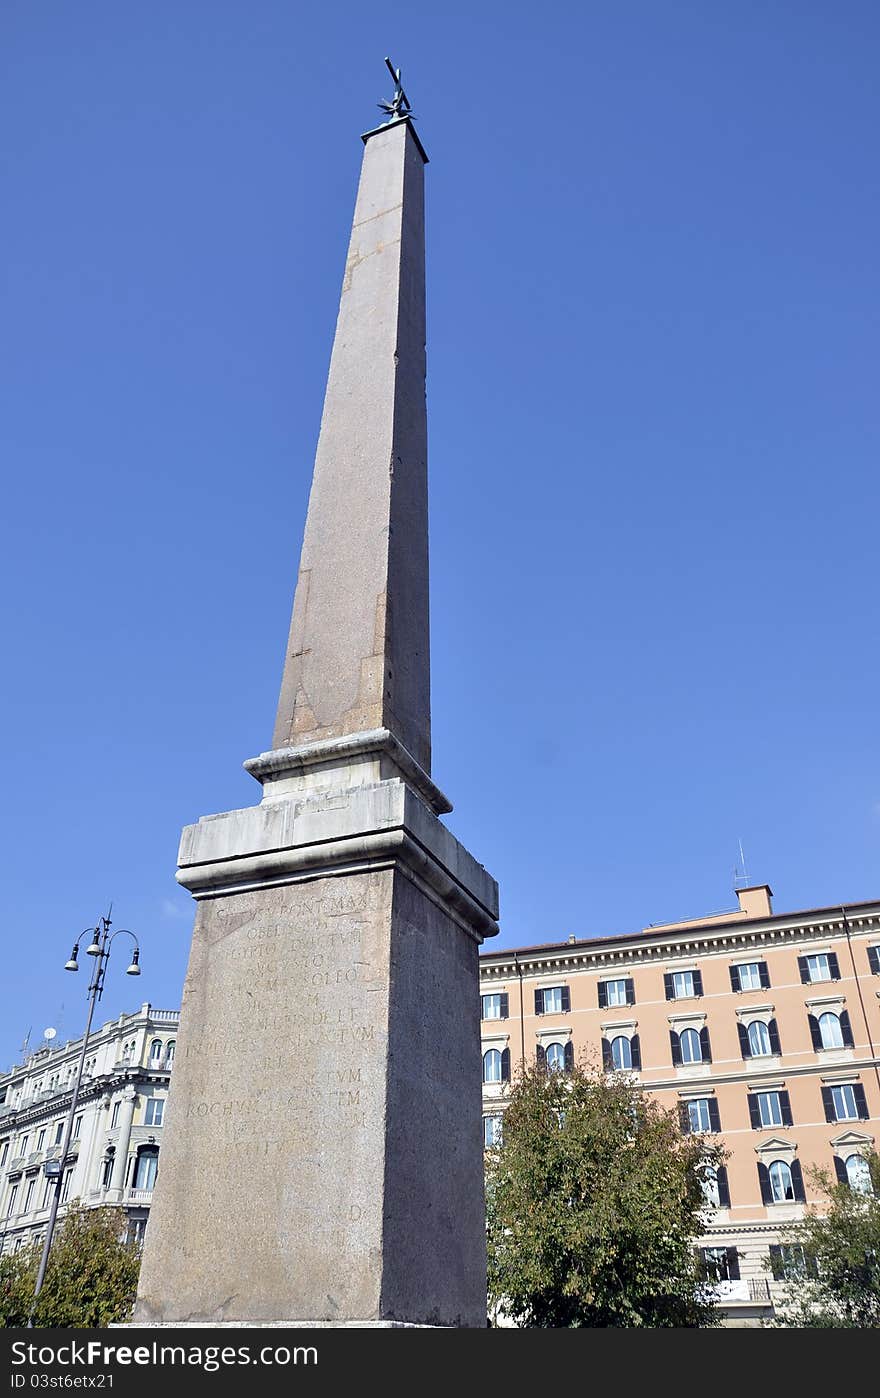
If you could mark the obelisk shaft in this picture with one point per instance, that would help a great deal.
(357, 656)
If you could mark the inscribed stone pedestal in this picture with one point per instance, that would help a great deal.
(322, 1161)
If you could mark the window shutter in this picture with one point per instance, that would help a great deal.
(754, 1112)
(505, 1065)
(804, 970)
(734, 978)
(773, 1031)
(834, 965)
(840, 1171)
(764, 974)
(764, 1181)
(797, 1179)
(723, 1187)
(569, 1056)
(539, 1002)
(541, 1056)
(630, 991)
(684, 1119)
(698, 982)
(745, 1047)
(603, 996)
(667, 985)
(776, 1264)
(874, 960)
(732, 1264)
(815, 1031)
(636, 1051)
(607, 1061)
(828, 1104)
(675, 1044)
(566, 999)
(846, 1030)
(785, 1105)
(714, 1115)
(861, 1101)
(705, 1047)
(505, 1005)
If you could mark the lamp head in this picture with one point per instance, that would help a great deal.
(72, 963)
(134, 969)
(95, 948)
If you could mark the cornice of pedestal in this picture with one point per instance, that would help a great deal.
(274, 769)
(333, 832)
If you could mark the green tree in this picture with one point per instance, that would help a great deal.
(594, 1204)
(831, 1258)
(91, 1278)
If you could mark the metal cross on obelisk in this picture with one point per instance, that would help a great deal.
(399, 106)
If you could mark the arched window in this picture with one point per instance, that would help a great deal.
(858, 1174)
(147, 1165)
(621, 1051)
(155, 1053)
(759, 1038)
(690, 1046)
(709, 1186)
(830, 1030)
(781, 1183)
(556, 1058)
(492, 1066)
(169, 1053)
(126, 1052)
(107, 1167)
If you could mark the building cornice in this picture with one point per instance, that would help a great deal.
(722, 939)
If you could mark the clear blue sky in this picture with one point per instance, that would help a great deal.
(653, 347)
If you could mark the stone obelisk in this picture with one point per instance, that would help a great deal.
(322, 1161)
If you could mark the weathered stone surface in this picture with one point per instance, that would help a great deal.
(358, 652)
(319, 1159)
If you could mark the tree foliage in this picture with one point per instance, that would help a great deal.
(594, 1204)
(833, 1258)
(91, 1278)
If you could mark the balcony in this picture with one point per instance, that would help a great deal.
(138, 1196)
(163, 1016)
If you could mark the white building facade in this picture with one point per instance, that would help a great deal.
(117, 1136)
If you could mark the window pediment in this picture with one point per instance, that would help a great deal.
(747, 1013)
(776, 1148)
(694, 1020)
(851, 1140)
(553, 1036)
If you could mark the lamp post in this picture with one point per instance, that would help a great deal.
(99, 948)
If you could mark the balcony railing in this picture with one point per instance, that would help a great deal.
(138, 1196)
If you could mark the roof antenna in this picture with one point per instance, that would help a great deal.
(740, 873)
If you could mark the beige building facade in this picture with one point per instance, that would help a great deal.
(760, 1028)
(117, 1135)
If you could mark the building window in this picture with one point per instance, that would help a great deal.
(77, 1127)
(13, 1195)
(29, 1194)
(759, 1039)
(170, 1046)
(47, 1193)
(496, 1065)
(715, 1188)
(683, 985)
(781, 1182)
(617, 992)
(147, 1165)
(874, 960)
(155, 1111)
(690, 1046)
(22, 1144)
(491, 1007)
(59, 1132)
(830, 1032)
(4, 1151)
(41, 1139)
(114, 1116)
(621, 1053)
(752, 976)
(492, 1131)
(65, 1188)
(700, 1114)
(720, 1264)
(553, 1000)
(555, 1057)
(821, 967)
(155, 1053)
(789, 1262)
(855, 1172)
(107, 1170)
(769, 1109)
(845, 1102)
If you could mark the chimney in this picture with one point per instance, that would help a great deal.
(756, 901)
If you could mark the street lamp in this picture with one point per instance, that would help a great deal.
(54, 1169)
